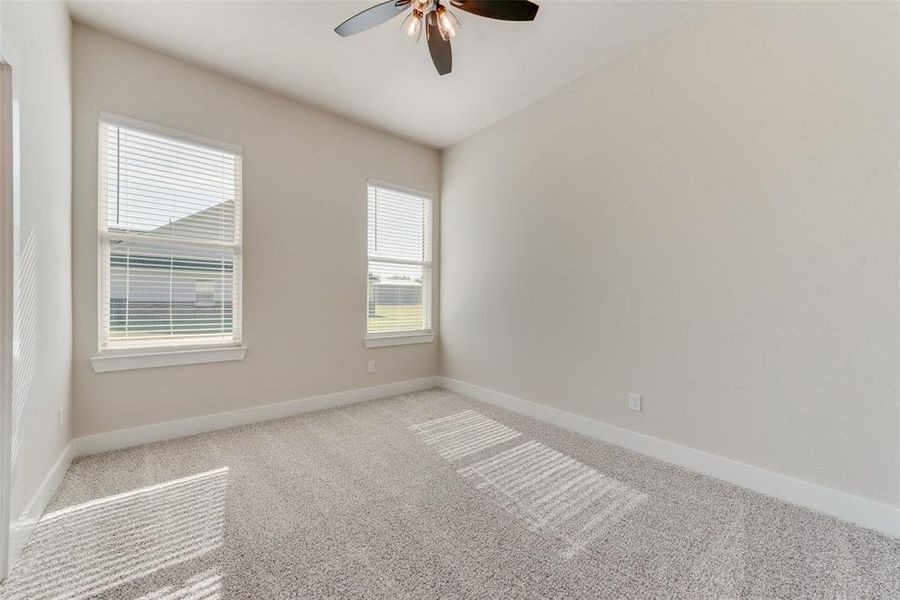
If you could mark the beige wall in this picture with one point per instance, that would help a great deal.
(38, 37)
(304, 239)
(711, 221)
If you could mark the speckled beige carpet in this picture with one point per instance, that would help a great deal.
(428, 495)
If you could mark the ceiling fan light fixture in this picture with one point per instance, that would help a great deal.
(440, 24)
(412, 25)
(447, 23)
(423, 6)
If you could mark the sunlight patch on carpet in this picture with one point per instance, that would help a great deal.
(97, 546)
(553, 492)
(202, 586)
(463, 434)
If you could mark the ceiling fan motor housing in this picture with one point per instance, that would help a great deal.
(425, 6)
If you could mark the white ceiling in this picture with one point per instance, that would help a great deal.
(380, 77)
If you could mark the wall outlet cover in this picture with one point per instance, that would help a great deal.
(634, 402)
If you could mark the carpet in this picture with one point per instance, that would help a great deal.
(428, 495)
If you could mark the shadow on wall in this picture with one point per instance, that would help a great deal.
(25, 351)
(144, 539)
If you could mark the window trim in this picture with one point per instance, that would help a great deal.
(127, 360)
(416, 336)
(380, 340)
(167, 354)
(179, 134)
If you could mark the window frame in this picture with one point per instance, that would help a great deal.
(163, 354)
(416, 336)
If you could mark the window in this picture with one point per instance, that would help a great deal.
(170, 239)
(399, 252)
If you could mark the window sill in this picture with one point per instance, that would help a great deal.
(165, 358)
(399, 339)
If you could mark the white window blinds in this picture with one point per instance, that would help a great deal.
(170, 238)
(399, 243)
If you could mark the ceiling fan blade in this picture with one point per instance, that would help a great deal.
(441, 55)
(371, 17)
(505, 10)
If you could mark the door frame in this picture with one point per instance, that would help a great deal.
(9, 212)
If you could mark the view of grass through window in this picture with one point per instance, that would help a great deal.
(399, 242)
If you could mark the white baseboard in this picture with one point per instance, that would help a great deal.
(122, 438)
(848, 507)
(21, 527)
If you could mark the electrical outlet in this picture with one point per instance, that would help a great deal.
(634, 402)
(371, 366)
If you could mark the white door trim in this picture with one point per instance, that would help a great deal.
(6, 293)
(9, 198)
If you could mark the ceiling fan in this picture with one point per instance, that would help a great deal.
(439, 23)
